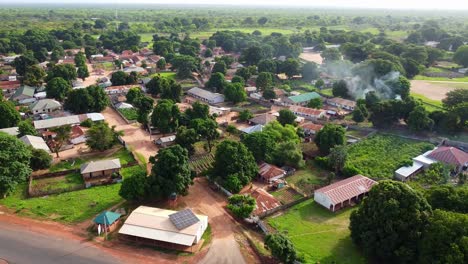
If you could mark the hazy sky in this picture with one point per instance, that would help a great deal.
(396, 4)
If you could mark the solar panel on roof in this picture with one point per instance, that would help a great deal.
(183, 219)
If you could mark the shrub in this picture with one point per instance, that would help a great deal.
(350, 170)
(241, 205)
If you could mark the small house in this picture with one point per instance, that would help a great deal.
(342, 103)
(165, 142)
(12, 131)
(101, 172)
(269, 173)
(252, 129)
(302, 99)
(35, 142)
(107, 220)
(262, 119)
(311, 129)
(265, 202)
(45, 106)
(343, 193)
(205, 96)
(24, 94)
(308, 113)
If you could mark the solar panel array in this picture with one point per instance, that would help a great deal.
(183, 219)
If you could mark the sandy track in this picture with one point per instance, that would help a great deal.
(432, 90)
(312, 57)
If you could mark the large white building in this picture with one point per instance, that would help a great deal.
(183, 228)
(205, 96)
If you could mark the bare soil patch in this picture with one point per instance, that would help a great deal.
(431, 90)
(312, 57)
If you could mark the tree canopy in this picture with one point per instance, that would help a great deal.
(330, 136)
(102, 137)
(10, 117)
(241, 205)
(281, 247)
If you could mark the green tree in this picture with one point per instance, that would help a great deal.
(264, 81)
(134, 94)
(208, 53)
(461, 56)
(24, 61)
(198, 110)
(145, 105)
(216, 83)
(34, 76)
(235, 92)
(185, 65)
(316, 103)
(100, 99)
(340, 89)
(290, 67)
(40, 159)
(163, 47)
(14, 163)
(207, 129)
(241, 205)
(281, 247)
(444, 239)
(419, 120)
(331, 54)
(58, 88)
(330, 136)
(172, 92)
(119, 78)
(319, 83)
(358, 116)
(157, 84)
(310, 71)
(135, 188)
(83, 72)
(269, 93)
(65, 71)
(448, 198)
(161, 64)
(102, 137)
(436, 173)
(267, 65)
(286, 117)
(10, 117)
(170, 173)
(245, 115)
(455, 97)
(282, 133)
(78, 101)
(238, 79)
(234, 159)
(62, 135)
(165, 116)
(186, 137)
(261, 144)
(288, 153)
(389, 223)
(245, 73)
(25, 127)
(337, 158)
(80, 59)
(219, 67)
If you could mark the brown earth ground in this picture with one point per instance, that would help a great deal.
(435, 90)
(312, 57)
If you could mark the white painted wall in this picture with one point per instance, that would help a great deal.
(322, 199)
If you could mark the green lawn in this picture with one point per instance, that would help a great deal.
(305, 179)
(70, 207)
(129, 113)
(445, 79)
(429, 104)
(326, 92)
(124, 155)
(318, 234)
(380, 155)
(71, 180)
(165, 74)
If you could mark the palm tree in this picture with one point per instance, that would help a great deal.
(62, 136)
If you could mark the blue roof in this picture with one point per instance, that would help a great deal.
(109, 217)
(305, 97)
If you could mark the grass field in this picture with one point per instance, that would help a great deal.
(308, 178)
(124, 155)
(380, 155)
(444, 79)
(429, 104)
(318, 234)
(66, 182)
(326, 92)
(70, 207)
(129, 113)
(165, 74)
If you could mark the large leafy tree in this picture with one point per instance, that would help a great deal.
(186, 137)
(91, 99)
(14, 163)
(135, 188)
(219, 67)
(24, 61)
(207, 129)
(62, 135)
(281, 247)
(102, 137)
(40, 159)
(172, 92)
(58, 88)
(419, 120)
(198, 110)
(288, 153)
(461, 56)
(157, 84)
(316, 103)
(337, 157)
(165, 116)
(235, 93)
(10, 117)
(261, 144)
(34, 76)
(310, 71)
(448, 198)
(25, 127)
(389, 223)
(119, 78)
(134, 94)
(234, 163)
(286, 117)
(216, 83)
(455, 97)
(170, 172)
(241, 205)
(185, 65)
(144, 105)
(290, 67)
(340, 89)
(65, 71)
(264, 81)
(330, 136)
(444, 240)
(100, 99)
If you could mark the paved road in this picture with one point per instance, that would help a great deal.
(25, 247)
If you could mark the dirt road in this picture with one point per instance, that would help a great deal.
(134, 135)
(312, 57)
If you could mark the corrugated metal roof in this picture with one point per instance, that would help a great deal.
(265, 201)
(100, 165)
(56, 122)
(305, 97)
(204, 93)
(35, 142)
(45, 104)
(268, 171)
(450, 155)
(346, 189)
(107, 217)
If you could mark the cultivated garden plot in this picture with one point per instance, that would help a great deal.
(130, 113)
(287, 195)
(318, 234)
(379, 156)
(201, 163)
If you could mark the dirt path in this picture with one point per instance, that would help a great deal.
(312, 57)
(435, 90)
(93, 77)
(139, 139)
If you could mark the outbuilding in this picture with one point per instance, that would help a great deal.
(107, 220)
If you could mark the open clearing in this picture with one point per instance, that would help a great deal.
(312, 57)
(318, 234)
(435, 90)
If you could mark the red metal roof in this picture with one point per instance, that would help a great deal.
(265, 201)
(311, 126)
(268, 171)
(306, 110)
(450, 155)
(346, 189)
